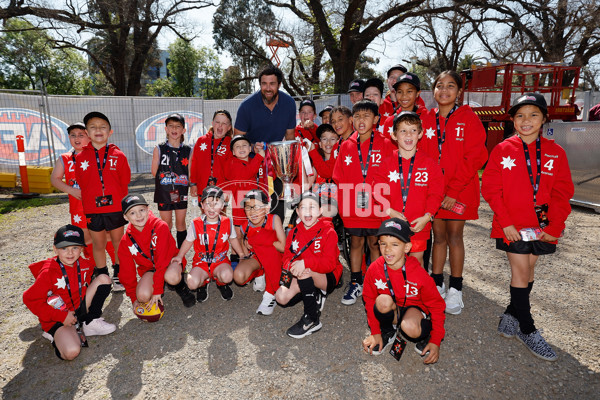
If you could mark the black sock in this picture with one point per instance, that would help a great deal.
(100, 271)
(530, 286)
(386, 320)
(456, 283)
(98, 300)
(115, 269)
(356, 277)
(307, 288)
(438, 279)
(181, 235)
(519, 298)
(510, 309)
(181, 285)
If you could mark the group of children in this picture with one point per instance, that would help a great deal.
(391, 170)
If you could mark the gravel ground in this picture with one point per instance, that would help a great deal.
(220, 348)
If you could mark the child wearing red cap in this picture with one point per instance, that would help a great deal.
(528, 184)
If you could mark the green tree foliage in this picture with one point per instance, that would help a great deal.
(28, 61)
(183, 68)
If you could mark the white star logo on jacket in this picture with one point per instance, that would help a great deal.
(295, 245)
(394, 176)
(224, 237)
(84, 165)
(60, 283)
(133, 250)
(348, 160)
(429, 133)
(380, 284)
(508, 162)
(203, 146)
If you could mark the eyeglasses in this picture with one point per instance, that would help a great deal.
(253, 208)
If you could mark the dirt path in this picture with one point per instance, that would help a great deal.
(223, 348)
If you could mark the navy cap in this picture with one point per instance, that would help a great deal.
(534, 99)
(69, 235)
(308, 195)
(327, 108)
(237, 138)
(356, 86)
(397, 228)
(374, 82)
(308, 102)
(175, 117)
(398, 67)
(132, 200)
(76, 125)
(211, 191)
(95, 114)
(256, 194)
(408, 77)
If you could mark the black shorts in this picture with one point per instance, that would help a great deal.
(361, 232)
(105, 222)
(331, 282)
(180, 205)
(536, 247)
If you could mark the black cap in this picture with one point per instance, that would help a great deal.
(397, 228)
(356, 86)
(237, 138)
(76, 125)
(175, 117)
(95, 114)
(534, 99)
(324, 128)
(327, 108)
(398, 67)
(211, 191)
(69, 235)
(308, 195)
(408, 77)
(374, 82)
(132, 200)
(256, 194)
(307, 102)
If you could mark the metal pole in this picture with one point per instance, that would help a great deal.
(135, 155)
(49, 118)
(45, 126)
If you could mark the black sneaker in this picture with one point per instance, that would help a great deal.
(388, 338)
(226, 292)
(304, 327)
(202, 293)
(187, 296)
(419, 346)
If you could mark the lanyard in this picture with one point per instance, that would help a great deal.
(211, 254)
(302, 250)
(406, 187)
(101, 167)
(67, 284)
(139, 249)
(212, 153)
(395, 106)
(175, 151)
(441, 136)
(248, 226)
(364, 168)
(538, 159)
(389, 283)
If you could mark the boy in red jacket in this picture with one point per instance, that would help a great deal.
(416, 183)
(307, 129)
(399, 292)
(64, 297)
(358, 160)
(103, 174)
(311, 265)
(146, 250)
(528, 184)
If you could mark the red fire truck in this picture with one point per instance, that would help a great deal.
(500, 84)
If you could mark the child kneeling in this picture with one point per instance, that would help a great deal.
(210, 235)
(398, 291)
(67, 302)
(146, 250)
(311, 262)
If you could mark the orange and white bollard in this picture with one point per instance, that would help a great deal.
(22, 163)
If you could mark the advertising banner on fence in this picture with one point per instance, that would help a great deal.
(151, 131)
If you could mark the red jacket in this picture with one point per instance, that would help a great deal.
(116, 175)
(75, 205)
(50, 279)
(389, 108)
(222, 242)
(347, 174)
(507, 188)
(388, 124)
(463, 154)
(323, 167)
(426, 190)
(241, 177)
(134, 264)
(323, 254)
(302, 133)
(420, 291)
(200, 170)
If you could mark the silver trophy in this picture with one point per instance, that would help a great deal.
(284, 156)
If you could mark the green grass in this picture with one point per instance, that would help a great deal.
(12, 205)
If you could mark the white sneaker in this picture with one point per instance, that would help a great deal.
(442, 290)
(98, 327)
(48, 336)
(117, 286)
(454, 302)
(259, 283)
(267, 305)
